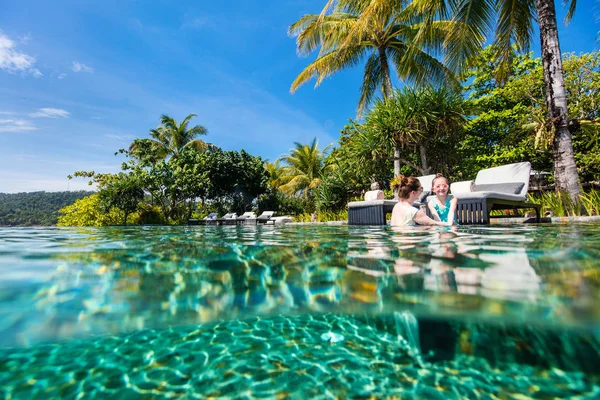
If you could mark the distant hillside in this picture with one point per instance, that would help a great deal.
(35, 208)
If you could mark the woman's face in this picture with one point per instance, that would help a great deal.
(414, 195)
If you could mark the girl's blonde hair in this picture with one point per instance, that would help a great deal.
(439, 176)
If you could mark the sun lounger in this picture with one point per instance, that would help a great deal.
(284, 219)
(228, 219)
(247, 218)
(265, 217)
(499, 188)
(210, 219)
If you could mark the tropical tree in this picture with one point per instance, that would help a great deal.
(424, 119)
(276, 173)
(474, 21)
(305, 168)
(168, 140)
(385, 42)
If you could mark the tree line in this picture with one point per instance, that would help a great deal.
(35, 208)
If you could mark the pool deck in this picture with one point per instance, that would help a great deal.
(497, 221)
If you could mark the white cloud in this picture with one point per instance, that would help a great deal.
(50, 112)
(196, 23)
(16, 125)
(119, 137)
(14, 61)
(80, 67)
(62, 76)
(25, 38)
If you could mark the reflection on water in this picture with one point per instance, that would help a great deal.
(56, 283)
(300, 311)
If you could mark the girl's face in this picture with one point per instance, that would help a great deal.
(440, 186)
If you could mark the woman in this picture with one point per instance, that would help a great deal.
(404, 214)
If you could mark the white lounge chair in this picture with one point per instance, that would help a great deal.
(284, 219)
(498, 188)
(247, 218)
(228, 219)
(264, 217)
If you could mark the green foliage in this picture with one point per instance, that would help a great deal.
(424, 124)
(561, 205)
(510, 119)
(331, 194)
(168, 139)
(283, 204)
(323, 216)
(89, 211)
(35, 208)
(125, 193)
(304, 169)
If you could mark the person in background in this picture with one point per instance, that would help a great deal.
(375, 193)
(443, 205)
(404, 214)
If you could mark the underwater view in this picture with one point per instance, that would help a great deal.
(300, 311)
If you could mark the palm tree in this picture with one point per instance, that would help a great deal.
(276, 173)
(305, 168)
(474, 21)
(169, 139)
(387, 42)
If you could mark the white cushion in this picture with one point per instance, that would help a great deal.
(462, 187)
(426, 182)
(518, 172)
(374, 195)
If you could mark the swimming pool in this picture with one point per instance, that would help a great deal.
(300, 311)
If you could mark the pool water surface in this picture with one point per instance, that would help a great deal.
(310, 311)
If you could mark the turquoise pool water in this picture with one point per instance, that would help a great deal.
(307, 311)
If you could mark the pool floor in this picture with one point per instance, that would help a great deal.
(305, 356)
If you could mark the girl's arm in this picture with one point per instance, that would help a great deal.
(422, 219)
(452, 212)
(432, 209)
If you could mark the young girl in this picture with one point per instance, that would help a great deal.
(404, 214)
(443, 205)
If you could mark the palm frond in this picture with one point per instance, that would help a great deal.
(474, 20)
(571, 12)
(328, 64)
(372, 80)
(514, 26)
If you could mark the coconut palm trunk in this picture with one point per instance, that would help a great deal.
(387, 93)
(565, 170)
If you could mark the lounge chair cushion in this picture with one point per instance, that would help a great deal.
(372, 203)
(489, 195)
(505, 187)
(518, 172)
(426, 181)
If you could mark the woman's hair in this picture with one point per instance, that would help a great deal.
(439, 176)
(407, 185)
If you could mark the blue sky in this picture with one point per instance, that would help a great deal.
(79, 80)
